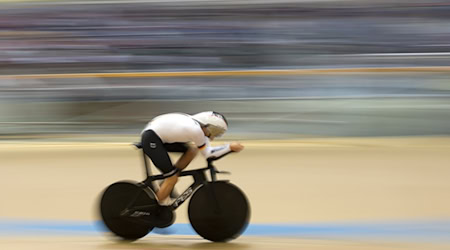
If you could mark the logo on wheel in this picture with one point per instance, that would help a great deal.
(139, 214)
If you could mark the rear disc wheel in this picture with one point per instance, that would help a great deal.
(121, 196)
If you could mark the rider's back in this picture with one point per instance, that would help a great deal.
(176, 127)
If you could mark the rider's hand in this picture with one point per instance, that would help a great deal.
(236, 147)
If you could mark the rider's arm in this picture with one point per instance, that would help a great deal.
(208, 151)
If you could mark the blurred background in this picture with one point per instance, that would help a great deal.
(343, 106)
(345, 68)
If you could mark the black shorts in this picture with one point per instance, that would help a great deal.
(158, 151)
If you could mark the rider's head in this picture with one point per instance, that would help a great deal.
(212, 122)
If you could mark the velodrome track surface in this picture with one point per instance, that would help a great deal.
(378, 193)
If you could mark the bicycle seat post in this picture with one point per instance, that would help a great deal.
(212, 170)
(148, 171)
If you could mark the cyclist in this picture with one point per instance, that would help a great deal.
(179, 132)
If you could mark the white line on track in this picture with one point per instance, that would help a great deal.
(398, 54)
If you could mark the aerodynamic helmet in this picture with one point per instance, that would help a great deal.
(213, 121)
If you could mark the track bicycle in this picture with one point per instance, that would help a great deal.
(218, 210)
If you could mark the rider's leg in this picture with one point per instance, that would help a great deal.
(166, 187)
(157, 151)
(169, 183)
(187, 157)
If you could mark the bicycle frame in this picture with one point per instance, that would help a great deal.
(198, 175)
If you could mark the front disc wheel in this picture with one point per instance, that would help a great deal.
(219, 211)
